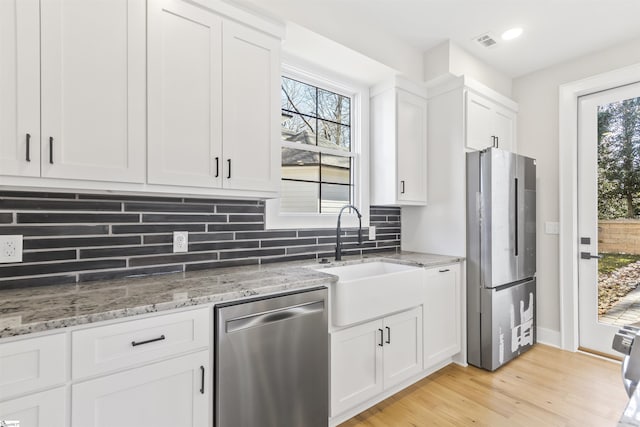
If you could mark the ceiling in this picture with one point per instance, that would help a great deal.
(554, 30)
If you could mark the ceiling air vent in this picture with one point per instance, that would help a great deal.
(486, 40)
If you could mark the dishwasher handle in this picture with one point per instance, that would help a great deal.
(271, 316)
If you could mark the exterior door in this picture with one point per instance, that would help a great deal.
(608, 185)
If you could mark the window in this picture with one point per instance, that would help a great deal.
(317, 157)
(324, 146)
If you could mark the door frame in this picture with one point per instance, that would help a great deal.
(568, 186)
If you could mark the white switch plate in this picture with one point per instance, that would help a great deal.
(551, 227)
(180, 241)
(10, 248)
(372, 232)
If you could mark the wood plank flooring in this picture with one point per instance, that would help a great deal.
(543, 387)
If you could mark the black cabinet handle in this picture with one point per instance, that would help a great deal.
(497, 142)
(402, 187)
(28, 158)
(228, 168)
(388, 335)
(202, 380)
(443, 271)
(135, 343)
(381, 337)
(51, 149)
(217, 167)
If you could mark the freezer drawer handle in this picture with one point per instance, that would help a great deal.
(381, 343)
(136, 343)
(587, 255)
(266, 317)
(388, 341)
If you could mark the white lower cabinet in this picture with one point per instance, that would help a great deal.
(442, 333)
(46, 409)
(367, 359)
(175, 392)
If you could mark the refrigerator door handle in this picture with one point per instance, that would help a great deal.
(516, 216)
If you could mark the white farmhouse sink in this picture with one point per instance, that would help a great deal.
(369, 290)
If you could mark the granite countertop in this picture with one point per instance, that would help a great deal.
(28, 310)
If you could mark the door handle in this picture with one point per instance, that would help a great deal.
(28, 157)
(402, 184)
(51, 149)
(201, 379)
(388, 341)
(587, 255)
(229, 169)
(217, 167)
(381, 337)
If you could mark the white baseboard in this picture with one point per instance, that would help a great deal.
(548, 337)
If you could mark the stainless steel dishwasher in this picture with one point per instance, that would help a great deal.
(272, 361)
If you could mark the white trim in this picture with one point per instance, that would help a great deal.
(312, 74)
(568, 183)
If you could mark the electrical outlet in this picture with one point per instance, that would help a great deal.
(372, 232)
(10, 248)
(180, 241)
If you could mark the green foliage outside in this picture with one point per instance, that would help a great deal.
(612, 262)
(619, 159)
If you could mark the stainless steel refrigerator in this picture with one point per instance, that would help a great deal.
(501, 256)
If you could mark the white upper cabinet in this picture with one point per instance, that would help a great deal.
(488, 124)
(399, 144)
(251, 108)
(213, 100)
(185, 95)
(93, 89)
(19, 88)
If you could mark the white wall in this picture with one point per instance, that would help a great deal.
(537, 96)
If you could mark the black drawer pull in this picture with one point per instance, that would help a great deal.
(443, 271)
(135, 343)
(28, 158)
(388, 341)
(202, 383)
(381, 337)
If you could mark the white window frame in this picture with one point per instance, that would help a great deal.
(313, 75)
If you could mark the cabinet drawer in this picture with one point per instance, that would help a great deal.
(32, 364)
(122, 345)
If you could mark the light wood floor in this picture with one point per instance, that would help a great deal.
(543, 387)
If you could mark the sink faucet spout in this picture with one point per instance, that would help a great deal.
(338, 241)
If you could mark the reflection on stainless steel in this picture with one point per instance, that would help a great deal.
(501, 256)
(271, 361)
(625, 342)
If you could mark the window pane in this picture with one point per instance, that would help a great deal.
(334, 107)
(299, 197)
(334, 197)
(331, 135)
(336, 169)
(298, 97)
(300, 164)
(296, 128)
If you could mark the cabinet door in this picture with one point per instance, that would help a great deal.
(172, 393)
(20, 87)
(46, 409)
(185, 95)
(411, 116)
(251, 76)
(479, 122)
(504, 122)
(402, 346)
(441, 314)
(356, 365)
(93, 89)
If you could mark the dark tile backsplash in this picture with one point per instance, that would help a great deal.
(81, 237)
